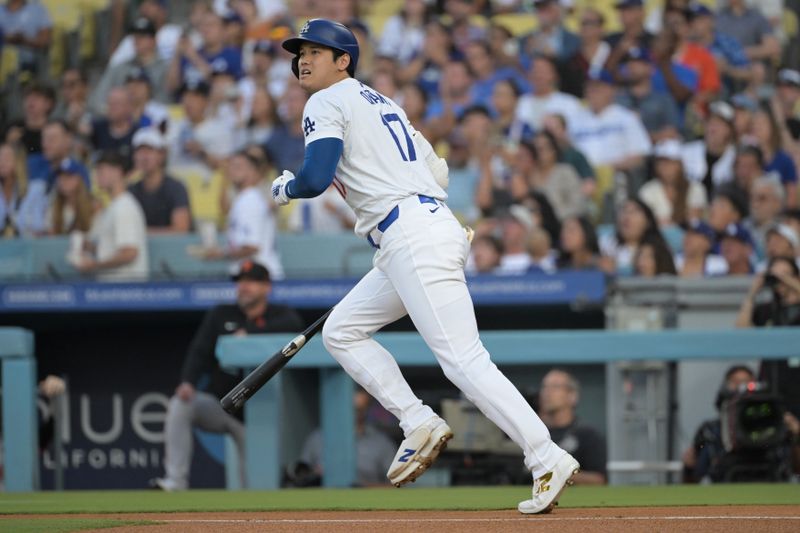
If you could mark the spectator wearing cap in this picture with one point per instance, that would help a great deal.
(145, 65)
(403, 35)
(729, 54)
(58, 144)
(191, 65)
(767, 202)
(265, 70)
(550, 38)
(198, 142)
(695, 57)
(286, 145)
(786, 105)
(697, 258)
(27, 26)
(767, 135)
(728, 206)
(22, 203)
(234, 28)
(751, 29)
(194, 405)
(736, 247)
(545, 97)
(146, 110)
(710, 160)
(673, 198)
(633, 33)
(117, 242)
(743, 107)
(164, 199)
(657, 110)
(115, 128)
(167, 34)
(72, 206)
(251, 220)
(607, 133)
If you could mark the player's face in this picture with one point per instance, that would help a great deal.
(318, 69)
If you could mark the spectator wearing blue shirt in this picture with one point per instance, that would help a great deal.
(767, 135)
(286, 145)
(191, 65)
(732, 61)
(657, 110)
(114, 131)
(22, 203)
(26, 25)
(455, 96)
(486, 75)
(751, 29)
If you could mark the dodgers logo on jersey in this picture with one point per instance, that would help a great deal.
(308, 126)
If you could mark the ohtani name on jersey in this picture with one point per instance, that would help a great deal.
(372, 97)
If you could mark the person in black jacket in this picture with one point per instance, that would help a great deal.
(190, 406)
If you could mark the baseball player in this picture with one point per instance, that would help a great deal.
(362, 142)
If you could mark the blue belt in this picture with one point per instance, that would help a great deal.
(393, 215)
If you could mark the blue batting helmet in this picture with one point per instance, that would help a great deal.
(327, 33)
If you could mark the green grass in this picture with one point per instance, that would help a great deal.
(456, 498)
(63, 525)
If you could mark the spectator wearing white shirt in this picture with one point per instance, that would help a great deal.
(118, 238)
(517, 225)
(710, 160)
(403, 35)
(198, 141)
(251, 221)
(673, 199)
(546, 98)
(167, 35)
(697, 259)
(607, 133)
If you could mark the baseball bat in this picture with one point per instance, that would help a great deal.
(246, 388)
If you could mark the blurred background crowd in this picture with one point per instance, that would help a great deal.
(640, 138)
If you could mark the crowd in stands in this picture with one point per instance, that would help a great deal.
(639, 138)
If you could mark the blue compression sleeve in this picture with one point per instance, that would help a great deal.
(319, 167)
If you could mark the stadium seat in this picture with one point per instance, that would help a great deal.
(205, 191)
(518, 24)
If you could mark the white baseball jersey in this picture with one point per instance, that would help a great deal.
(381, 164)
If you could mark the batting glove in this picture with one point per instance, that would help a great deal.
(279, 194)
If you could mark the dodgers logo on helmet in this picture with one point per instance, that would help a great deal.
(327, 33)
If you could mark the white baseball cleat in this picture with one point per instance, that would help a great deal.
(548, 487)
(418, 451)
(166, 484)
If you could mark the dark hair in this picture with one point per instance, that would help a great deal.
(549, 220)
(114, 159)
(652, 223)
(753, 150)
(590, 241)
(775, 141)
(475, 109)
(492, 241)
(59, 122)
(722, 393)
(512, 84)
(786, 259)
(42, 89)
(663, 255)
(553, 142)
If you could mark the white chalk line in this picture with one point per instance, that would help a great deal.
(460, 520)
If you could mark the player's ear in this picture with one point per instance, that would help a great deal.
(342, 62)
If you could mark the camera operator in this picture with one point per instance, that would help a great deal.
(782, 280)
(751, 439)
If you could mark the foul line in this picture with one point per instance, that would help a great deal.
(439, 520)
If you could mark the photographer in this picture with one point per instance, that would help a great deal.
(743, 443)
(782, 279)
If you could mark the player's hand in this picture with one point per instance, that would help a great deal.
(185, 391)
(279, 194)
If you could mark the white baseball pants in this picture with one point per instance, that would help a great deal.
(419, 271)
